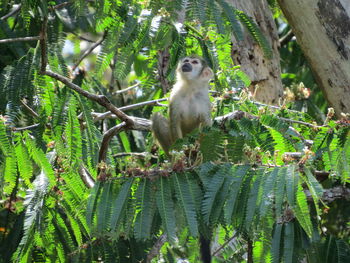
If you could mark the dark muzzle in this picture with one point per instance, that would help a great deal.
(186, 67)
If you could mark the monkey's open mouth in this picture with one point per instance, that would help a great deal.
(186, 67)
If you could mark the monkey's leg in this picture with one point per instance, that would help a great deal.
(161, 131)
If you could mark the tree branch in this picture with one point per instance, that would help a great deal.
(14, 11)
(88, 51)
(100, 116)
(19, 39)
(26, 127)
(156, 248)
(107, 136)
(86, 177)
(100, 99)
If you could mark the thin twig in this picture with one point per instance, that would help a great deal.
(224, 245)
(266, 105)
(31, 111)
(13, 12)
(19, 39)
(301, 123)
(286, 38)
(58, 6)
(88, 51)
(26, 127)
(127, 89)
(142, 155)
(43, 46)
(101, 116)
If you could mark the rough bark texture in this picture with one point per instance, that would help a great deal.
(322, 29)
(264, 73)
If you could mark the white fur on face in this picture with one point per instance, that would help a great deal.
(196, 68)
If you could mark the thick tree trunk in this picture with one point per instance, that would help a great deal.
(264, 73)
(322, 29)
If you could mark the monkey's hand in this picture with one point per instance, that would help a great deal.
(161, 131)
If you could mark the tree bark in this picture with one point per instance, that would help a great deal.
(264, 73)
(322, 29)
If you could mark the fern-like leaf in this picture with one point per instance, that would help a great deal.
(291, 184)
(255, 32)
(252, 202)
(288, 240)
(25, 166)
(120, 203)
(92, 203)
(40, 159)
(238, 174)
(267, 196)
(145, 201)
(230, 13)
(212, 191)
(166, 207)
(280, 190)
(276, 243)
(104, 207)
(187, 201)
(73, 135)
(34, 203)
(302, 212)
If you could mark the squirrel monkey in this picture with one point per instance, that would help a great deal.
(189, 104)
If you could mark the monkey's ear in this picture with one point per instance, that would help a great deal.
(207, 73)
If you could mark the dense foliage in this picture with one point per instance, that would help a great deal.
(266, 183)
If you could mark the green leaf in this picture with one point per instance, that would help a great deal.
(165, 206)
(25, 166)
(267, 196)
(276, 243)
(92, 202)
(73, 135)
(231, 16)
(238, 173)
(291, 184)
(119, 205)
(104, 207)
(255, 31)
(280, 190)
(187, 201)
(252, 199)
(145, 200)
(211, 192)
(288, 240)
(302, 212)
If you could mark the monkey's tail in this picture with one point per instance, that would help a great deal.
(205, 249)
(161, 130)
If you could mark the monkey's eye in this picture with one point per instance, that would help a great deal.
(195, 62)
(186, 60)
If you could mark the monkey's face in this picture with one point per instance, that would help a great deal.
(190, 68)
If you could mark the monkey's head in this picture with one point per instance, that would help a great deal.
(194, 68)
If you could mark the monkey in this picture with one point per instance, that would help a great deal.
(189, 103)
(189, 108)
